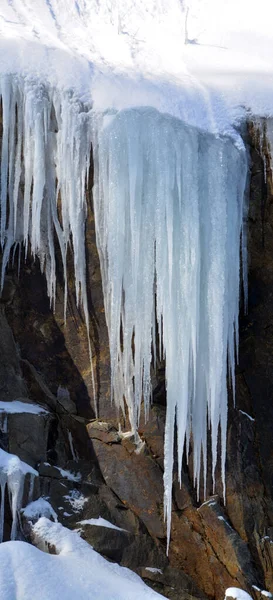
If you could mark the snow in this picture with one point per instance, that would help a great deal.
(131, 53)
(76, 500)
(12, 475)
(100, 522)
(237, 594)
(16, 406)
(39, 508)
(76, 572)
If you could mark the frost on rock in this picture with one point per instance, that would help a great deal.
(169, 209)
(76, 500)
(12, 476)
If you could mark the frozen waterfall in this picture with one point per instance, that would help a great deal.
(169, 211)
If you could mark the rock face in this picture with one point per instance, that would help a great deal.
(214, 545)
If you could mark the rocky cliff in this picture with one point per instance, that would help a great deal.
(214, 544)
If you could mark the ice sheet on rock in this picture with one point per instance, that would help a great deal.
(246, 415)
(39, 508)
(76, 477)
(46, 146)
(100, 522)
(169, 203)
(12, 477)
(16, 406)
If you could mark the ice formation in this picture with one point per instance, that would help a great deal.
(45, 157)
(74, 453)
(169, 209)
(12, 475)
(100, 522)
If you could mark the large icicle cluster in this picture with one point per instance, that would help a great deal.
(169, 209)
(45, 158)
(169, 218)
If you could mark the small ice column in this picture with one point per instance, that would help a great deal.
(12, 476)
(71, 445)
(169, 209)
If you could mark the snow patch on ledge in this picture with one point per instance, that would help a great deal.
(102, 580)
(76, 572)
(39, 508)
(237, 594)
(16, 406)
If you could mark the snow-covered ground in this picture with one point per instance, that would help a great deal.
(76, 572)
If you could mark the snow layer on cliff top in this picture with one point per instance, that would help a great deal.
(76, 572)
(124, 53)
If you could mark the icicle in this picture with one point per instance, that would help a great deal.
(46, 146)
(74, 453)
(169, 205)
(12, 476)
